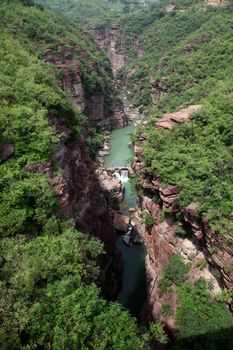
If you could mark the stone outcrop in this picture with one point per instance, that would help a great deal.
(81, 199)
(158, 89)
(121, 222)
(71, 77)
(169, 120)
(6, 151)
(111, 41)
(112, 188)
(215, 2)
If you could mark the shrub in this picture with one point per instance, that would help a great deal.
(157, 329)
(147, 219)
(166, 310)
(179, 231)
(202, 263)
(174, 273)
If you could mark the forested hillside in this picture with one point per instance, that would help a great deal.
(92, 11)
(58, 256)
(48, 295)
(188, 61)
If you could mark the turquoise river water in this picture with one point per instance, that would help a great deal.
(133, 292)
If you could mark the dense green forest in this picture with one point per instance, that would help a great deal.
(91, 12)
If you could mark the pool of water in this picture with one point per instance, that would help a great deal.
(133, 292)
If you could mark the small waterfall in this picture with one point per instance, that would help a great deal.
(116, 175)
(124, 175)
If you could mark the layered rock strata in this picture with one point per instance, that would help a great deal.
(209, 254)
(71, 80)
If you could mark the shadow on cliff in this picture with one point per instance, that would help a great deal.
(219, 340)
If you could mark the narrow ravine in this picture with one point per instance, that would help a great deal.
(133, 291)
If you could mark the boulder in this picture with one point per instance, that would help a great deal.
(6, 151)
(189, 249)
(121, 222)
(169, 120)
(113, 188)
(169, 190)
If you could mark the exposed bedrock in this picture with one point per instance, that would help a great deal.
(92, 105)
(202, 246)
(81, 199)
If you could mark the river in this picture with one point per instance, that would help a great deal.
(133, 292)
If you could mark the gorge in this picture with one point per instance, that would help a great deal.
(116, 195)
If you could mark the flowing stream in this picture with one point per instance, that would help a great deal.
(133, 292)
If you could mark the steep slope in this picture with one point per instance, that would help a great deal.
(184, 60)
(184, 164)
(177, 67)
(48, 190)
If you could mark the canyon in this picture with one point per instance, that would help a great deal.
(116, 175)
(161, 239)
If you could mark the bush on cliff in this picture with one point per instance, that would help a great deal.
(175, 273)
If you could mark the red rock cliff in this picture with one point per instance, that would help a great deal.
(92, 105)
(161, 238)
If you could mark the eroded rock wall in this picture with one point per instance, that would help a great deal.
(93, 105)
(201, 247)
(110, 41)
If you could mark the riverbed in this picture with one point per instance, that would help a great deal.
(133, 292)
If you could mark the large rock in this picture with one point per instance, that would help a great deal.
(169, 120)
(71, 79)
(6, 151)
(93, 105)
(121, 222)
(169, 196)
(112, 188)
(189, 249)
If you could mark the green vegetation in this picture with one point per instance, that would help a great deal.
(175, 273)
(203, 322)
(90, 12)
(202, 263)
(147, 219)
(188, 59)
(48, 295)
(180, 231)
(39, 30)
(166, 310)
(157, 329)
(94, 142)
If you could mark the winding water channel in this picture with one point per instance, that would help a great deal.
(133, 292)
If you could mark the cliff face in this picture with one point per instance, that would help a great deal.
(111, 41)
(93, 105)
(82, 200)
(78, 189)
(209, 254)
